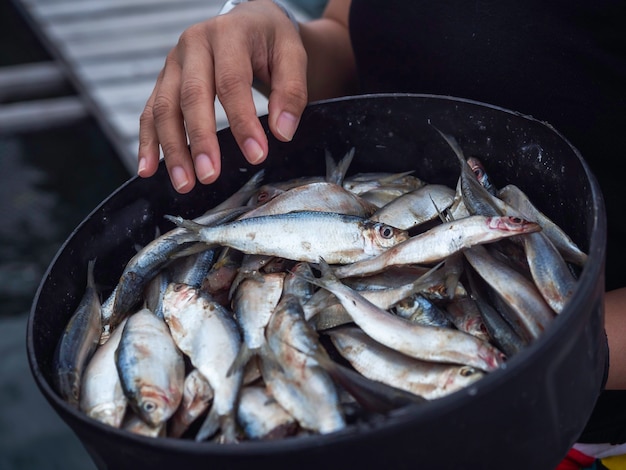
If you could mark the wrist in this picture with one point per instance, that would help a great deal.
(230, 4)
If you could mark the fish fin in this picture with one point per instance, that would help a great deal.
(336, 172)
(209, 427)
(454, 145)
(243, 356)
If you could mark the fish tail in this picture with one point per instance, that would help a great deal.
(185, 223)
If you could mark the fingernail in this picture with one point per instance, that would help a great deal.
(179, 177)
(286, 125)
(204, 167)
(142, 166)
(253, 151)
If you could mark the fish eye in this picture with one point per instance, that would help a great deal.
(385, 231)
(516, 220)
(263, 196)
(467, 371)
(149, 406)
(179, 287)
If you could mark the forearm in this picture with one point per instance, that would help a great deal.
(331, 69)
(615, 326)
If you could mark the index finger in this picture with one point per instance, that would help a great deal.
(197, 100)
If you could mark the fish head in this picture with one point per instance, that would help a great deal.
(155, 406)
(385, 236)
(463, 376)
(177, 295)
(111, 413)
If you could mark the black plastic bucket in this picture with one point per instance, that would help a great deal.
(524, 416)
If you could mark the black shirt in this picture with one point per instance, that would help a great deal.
(560, 62)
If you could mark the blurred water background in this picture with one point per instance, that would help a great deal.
(49, 182)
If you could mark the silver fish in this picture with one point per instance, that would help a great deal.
(134, 424)
(302, 236)
(416, 207)
(317, 196)
(521, 294)
(208, 334)
(78, 342)
(197, 396)
(253, 304)
(467, 317)
(516, 198)
(421, 342)
(418, 309)
(262, 417)
(477, 167)
(429, 380)
(102, 397)
(503, 335)
(151, 368)
(475, 196)
(550, 272)
(440, 242)
(361, 183)
(383, 298)
(151, 259)
(292, 374)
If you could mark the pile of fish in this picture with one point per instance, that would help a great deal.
(303, 306)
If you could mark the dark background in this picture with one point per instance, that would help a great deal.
(49, 182)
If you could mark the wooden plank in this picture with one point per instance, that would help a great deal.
(64, 9)
(90, 28)
(121, 69)
(25, 80)
(29, 116)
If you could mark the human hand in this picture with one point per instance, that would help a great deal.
(220, 57)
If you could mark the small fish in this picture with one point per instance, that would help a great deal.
(301, 236)
(151, 368)
(516, 198)
(501, 332)
(262, 417)
(519, 293)
(207, 333)
(253, 305)
(421, 342)
(481, 175)
(361, 183)
(476, 198)
(466, 316)
(292, 374)
(197, 396)
(102, 397)
(416, 207)
(149, 261)
(418, 309)
(317, 196)
(440, 242)
(550, 272)
(134, 424)
(429, 380)
(78, 342)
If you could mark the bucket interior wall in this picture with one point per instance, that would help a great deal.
(527, 414)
